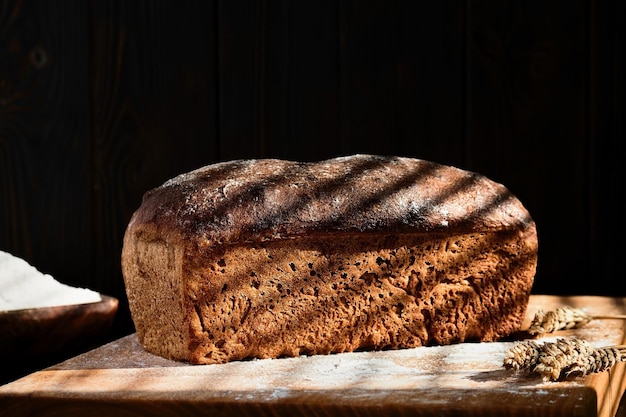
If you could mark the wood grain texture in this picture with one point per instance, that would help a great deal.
(605, 147)
(402, 79)
(429, 80)
(367, 76)
(242, 76)
(303, 74)
(45, 180)
(456, 380)
(527, 124)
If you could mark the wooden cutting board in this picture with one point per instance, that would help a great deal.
(121, 379)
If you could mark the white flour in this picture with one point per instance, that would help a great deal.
(22, 286)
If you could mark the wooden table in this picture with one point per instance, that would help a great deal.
(121, 379)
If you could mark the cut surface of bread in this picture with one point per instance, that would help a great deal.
(271, 258)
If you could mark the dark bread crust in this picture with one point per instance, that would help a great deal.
(256, 200)
(268, 258)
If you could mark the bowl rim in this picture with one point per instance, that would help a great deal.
(104, 299)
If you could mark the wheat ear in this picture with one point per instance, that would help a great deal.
(563, 358)
(555, 357)
(563, 318)
(599, 360)
(522, 356)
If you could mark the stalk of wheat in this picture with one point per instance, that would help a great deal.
(562, 359)
(563, 318)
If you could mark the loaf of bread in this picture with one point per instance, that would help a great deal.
(269, 258)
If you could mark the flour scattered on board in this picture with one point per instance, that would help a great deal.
(22, 286)
(367, 374)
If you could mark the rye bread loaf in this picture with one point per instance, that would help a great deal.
(269, 258)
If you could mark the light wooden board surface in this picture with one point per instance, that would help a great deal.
(122, 379)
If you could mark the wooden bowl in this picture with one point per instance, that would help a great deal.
(48, 332)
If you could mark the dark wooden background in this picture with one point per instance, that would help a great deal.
(102, 100)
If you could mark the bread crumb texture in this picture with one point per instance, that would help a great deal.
(232, 288)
